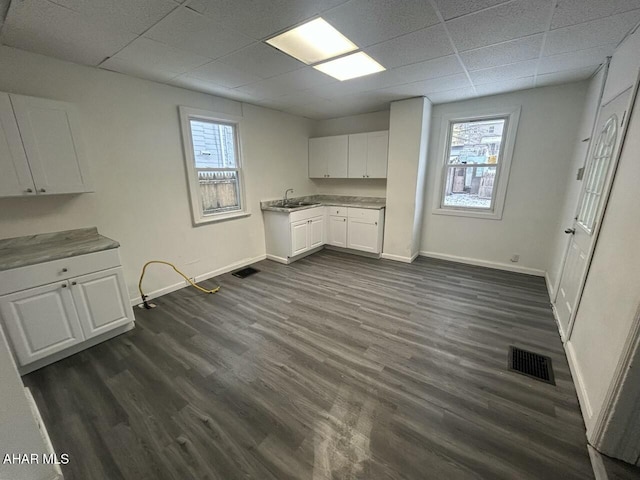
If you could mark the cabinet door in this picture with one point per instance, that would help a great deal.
(102, 301)
(15, 178)
(299, 237)
(50, 134)
(337, 231)
(377, 154)
(358, 155)
(318, 158)
(362, 234)
(316, 232)
(41, 321)
(338, 154)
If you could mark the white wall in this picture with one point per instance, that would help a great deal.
(408, 138)
(573, 186)
(540, 170)
(19, 432)
(132, 131)
(367, 122)
(611, 297)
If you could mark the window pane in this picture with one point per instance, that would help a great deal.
(469, 187)
(219, 192)
(214, 144)
(476, 142)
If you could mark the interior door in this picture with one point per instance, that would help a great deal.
(16, 177)
(50, 134)
(596, 186)
(41, 321)
(101, 301)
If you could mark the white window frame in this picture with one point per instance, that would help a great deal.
(512, 118)
(186, 115)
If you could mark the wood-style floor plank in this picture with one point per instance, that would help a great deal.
(336, 367)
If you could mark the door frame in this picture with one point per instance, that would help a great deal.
(606, 195)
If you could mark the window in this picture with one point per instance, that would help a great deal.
(476, 152)
(212, 153)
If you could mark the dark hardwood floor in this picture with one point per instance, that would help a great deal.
(334, 367)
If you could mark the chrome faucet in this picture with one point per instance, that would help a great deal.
(285, 195)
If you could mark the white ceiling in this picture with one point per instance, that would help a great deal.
(444, 49)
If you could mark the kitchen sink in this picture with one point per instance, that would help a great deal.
(283, 204)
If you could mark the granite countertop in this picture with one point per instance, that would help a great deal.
(45, 247)
(374, 203)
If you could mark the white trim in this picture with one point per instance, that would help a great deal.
(551, 289)
(205, 276)
(186, 114)
(583, 398)
(484, 263)
(512, 114)
(277, 259)
(399, 258)
(599, 470)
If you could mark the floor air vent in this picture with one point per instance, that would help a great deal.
(531, 364)
(245, 272)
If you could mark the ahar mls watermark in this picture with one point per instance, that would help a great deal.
(35, 459)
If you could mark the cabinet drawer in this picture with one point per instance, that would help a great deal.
(306, 214)
(30, 276)
(364, 214)
(336, 211)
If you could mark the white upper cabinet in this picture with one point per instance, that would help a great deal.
(360, 155)
(46, 155)
(368, 155)
(15, 177)
(328, 157)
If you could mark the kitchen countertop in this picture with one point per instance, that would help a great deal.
(45, 247)
(374, 203)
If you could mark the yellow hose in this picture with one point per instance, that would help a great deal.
(143, 296)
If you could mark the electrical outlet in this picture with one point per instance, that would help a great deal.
(515, 258)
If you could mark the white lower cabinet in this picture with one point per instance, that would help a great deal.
(337, 231)
(299, 237)
(41, 321)
(365, 229)
(44, 321)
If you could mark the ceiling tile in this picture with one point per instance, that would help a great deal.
(452, 95)
(575, 60)
(414, 47)
(132, 69)
(591, 34)
(513, 51)
(504, 72)
(200, 85)
(223, 75)
(262, 61)
(438, 67)
(433, 85)
(45, 28)
(195, 33)
(366, 22)
(456, 8)
(297, 80)
(261, 19)
(133, 16)
(505, 86)
(564, 77)
(571, 12)
(146, 53)
(497, 24)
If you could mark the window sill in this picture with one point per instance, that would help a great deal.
(221, 218)
(467, 213)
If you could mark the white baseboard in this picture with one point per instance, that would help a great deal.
(205, 276)
(277, 259)
(399, 258)
(484, 263)
(583, 399)
(599, 470)
(551, 289)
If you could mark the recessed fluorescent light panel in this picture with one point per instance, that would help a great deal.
(352, 66)
(313, 42)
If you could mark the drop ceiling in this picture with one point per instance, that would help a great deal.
(446, 50)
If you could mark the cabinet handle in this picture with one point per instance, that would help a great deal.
(74, 283)
(29, 190)
(376, 223)
(344, 219)
(42, 190)
(64, 270)
(64, 285)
